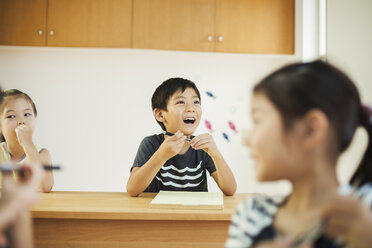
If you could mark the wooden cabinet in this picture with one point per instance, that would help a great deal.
(23, 22)
(174, 24)
(255, 26)
(249, 26)
(241, 26)
(90, 23)
(71, 23)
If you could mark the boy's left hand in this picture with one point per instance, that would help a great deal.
(24, 135)
(206, 142)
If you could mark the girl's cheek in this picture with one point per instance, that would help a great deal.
(255, 138)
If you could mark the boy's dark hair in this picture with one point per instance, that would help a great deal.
(298, 88)
(14, 92)
(164, 92)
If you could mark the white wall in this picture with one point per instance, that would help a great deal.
(94, 105)
(349, 39)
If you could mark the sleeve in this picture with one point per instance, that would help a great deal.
(209, 164)
(144, 153)
(239, 236)
(365, 192)
(39, 148)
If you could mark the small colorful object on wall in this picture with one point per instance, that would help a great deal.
(210, 94)
(226, 137)
(209, 126)
(233, 127)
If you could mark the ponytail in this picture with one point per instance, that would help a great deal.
(363, 173)
(2, 139)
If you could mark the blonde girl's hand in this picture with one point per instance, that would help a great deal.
(206, 142)
(349, 219)
(172, 145)
(24, 134)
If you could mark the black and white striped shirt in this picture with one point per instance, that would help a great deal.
(186, 172)
(253, 220)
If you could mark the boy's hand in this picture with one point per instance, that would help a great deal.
(24, 135)
(172, 145)
(205, 142)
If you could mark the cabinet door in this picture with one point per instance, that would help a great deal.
(89, 23)
(255, 26)
(23, 22)
(174, 24)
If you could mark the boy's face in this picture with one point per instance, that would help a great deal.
(183, 112)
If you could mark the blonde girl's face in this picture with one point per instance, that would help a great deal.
(15, 110)
(271, 147)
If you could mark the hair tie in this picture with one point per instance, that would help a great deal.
(368, 112)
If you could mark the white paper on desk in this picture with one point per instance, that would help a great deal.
(188, 200)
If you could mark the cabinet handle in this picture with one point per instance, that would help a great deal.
(40, 32)
(51, 32)
(210, 37)
(220, 38)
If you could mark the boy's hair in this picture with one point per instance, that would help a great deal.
(298, 88)
(14, 92)
(164, 92)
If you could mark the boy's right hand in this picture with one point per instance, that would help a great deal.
(172, 145)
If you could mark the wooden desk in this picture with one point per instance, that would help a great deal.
(92, 219)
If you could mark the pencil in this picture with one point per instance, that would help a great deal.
(171, 134)
(17, 167)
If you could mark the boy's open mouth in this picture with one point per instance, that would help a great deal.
(189, 120)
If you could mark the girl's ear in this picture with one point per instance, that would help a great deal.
(158, 113)
(315, 129)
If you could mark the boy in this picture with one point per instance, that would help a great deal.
(170, 162)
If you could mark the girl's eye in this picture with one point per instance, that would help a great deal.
(180, 102)
(196, 102)
(28, 114)
(10, 117)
